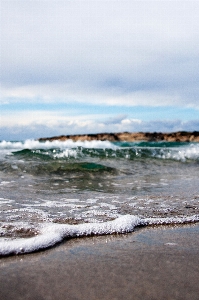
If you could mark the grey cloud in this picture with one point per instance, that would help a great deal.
(102, 47)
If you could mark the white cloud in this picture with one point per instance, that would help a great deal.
(48, 125)
(130, 121)
(46, 118)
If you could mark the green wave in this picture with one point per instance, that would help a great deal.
(130, 151)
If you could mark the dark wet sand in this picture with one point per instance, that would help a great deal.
(150, 263)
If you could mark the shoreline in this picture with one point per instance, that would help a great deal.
(180, 136)
(150, 263)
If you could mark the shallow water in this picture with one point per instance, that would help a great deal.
(93, 182)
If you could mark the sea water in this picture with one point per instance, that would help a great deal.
(51, 191)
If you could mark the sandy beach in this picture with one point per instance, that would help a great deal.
(150, 263)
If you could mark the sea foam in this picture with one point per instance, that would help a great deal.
(51, 234)
(35, 144)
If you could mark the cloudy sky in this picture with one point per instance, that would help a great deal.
(88, 66)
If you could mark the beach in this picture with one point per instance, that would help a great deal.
(150, 263)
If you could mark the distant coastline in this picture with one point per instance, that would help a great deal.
(179, 136)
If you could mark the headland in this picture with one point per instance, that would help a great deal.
(180, 136)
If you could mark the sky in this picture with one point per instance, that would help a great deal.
(91, 66)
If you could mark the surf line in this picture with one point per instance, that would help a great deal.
(51, 234)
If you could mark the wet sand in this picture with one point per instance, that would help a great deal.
(150, 263)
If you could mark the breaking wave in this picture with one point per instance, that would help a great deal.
(101, 149)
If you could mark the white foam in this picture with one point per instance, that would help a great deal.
(50, 234)
(171, 220)
(66, 154)
(182, 153)
(4, 182)
(56, 204)
(35, 144)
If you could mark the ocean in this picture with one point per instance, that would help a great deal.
(53, 191)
